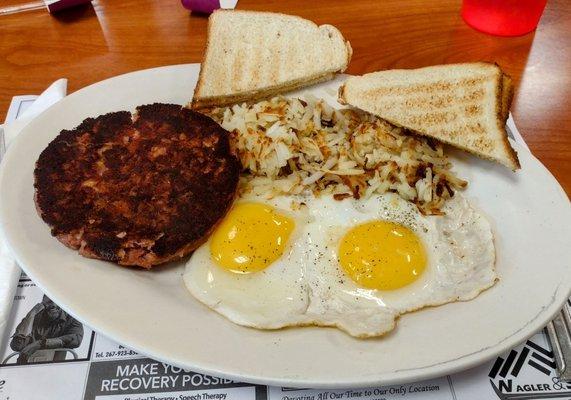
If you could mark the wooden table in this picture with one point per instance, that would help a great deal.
(92, 43)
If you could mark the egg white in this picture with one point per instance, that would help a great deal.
(460, 262)
(269, 299)
(307, 285)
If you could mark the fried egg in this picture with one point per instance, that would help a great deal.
(352, 264)
(252, 269)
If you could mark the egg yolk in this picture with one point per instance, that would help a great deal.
(250, 238)
(382, 255)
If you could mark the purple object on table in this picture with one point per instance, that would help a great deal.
(57, 5)
(202, 6)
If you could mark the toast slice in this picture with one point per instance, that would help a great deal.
(252, 55)
(464, 105)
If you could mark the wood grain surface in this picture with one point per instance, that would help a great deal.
(98, 41)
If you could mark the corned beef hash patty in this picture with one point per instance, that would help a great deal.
(137, 190)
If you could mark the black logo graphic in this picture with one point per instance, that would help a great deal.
(534, 356)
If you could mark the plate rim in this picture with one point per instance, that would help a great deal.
(464, 362)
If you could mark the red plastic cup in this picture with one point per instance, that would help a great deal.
(503, 17)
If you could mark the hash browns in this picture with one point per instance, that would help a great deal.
(291, 146)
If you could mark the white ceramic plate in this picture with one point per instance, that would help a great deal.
(152, 313)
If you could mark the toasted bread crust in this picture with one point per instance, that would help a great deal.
(255, 95)
(199, 84)
(507, 95)
(139, 192)
(199, 102)
(504, 103)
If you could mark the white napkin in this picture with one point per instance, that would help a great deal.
(54, 93)
(9, 271)
(515, 132)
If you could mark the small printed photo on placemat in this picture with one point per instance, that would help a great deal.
(40, 332)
